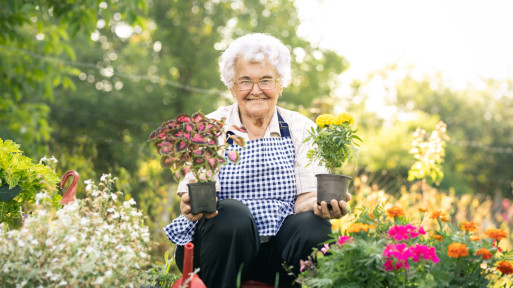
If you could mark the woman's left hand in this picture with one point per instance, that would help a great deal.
(337, 209)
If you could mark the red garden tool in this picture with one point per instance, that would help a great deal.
(190, 282)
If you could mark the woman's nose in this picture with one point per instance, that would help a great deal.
(255, 90)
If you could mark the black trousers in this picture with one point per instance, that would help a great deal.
(229, 241)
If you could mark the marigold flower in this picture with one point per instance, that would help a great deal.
(457, 250)
(324, 120)
(505, 267)
(423, 210)
(468, 226)
(496, 234)
(437, 237)
(474, 238)
(344, 118)
(485, 253)
(435, 215)
(395, 212)
(444, 218)
(357, 227)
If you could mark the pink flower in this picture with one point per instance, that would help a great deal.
(427, 252)
(304, 265)
(404, 232)
(396, 256)
(325, 248)
(343, 239)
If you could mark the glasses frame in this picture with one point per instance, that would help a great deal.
(256, 82)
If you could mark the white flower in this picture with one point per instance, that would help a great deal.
(99, 281)
(89, 184)
(63, 283)
(105, 177)
(108, 273)
(114, 197)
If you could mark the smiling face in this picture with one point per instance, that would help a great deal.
(256, 104)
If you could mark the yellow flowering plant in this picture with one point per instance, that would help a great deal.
(384, 248)
(336, 140)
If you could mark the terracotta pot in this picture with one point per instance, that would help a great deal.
(332, 186)
(202, 197)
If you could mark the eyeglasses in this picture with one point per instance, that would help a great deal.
(264, 84)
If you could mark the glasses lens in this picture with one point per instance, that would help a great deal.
(266, 84)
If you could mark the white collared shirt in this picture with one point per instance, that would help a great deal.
(299, 125)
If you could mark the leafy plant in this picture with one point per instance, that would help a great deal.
(429, 154)
(19, 173)
(383, 248)
(191, 144)
(336, 140)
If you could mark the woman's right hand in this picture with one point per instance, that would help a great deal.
(185, 208)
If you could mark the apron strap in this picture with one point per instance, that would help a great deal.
(284, 130)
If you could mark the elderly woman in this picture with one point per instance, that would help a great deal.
(267, 213)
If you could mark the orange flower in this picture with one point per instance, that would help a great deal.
(357, 227)
(485, 253)
(435, 215)
(474, 238)
(497, 234)
(437, 237)
(457, 250)
(423, 210)
(395, 212)
(505, 267)
(468, 226)
(444, 218)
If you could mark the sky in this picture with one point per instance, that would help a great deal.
(462, 39)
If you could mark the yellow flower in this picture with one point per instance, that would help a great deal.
(344, 118)
(468, 226)
(497, 234)
(357, 227)
(422, 210)
(324, 119)
(457, 250)
(474, 238)
(395, 211)
(444, 218)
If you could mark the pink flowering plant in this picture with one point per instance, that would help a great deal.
(383, 248)
(191, 143)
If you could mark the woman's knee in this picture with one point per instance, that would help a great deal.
(233, 217)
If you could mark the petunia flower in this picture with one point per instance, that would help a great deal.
(325, 248)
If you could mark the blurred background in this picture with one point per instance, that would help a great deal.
(87, 81)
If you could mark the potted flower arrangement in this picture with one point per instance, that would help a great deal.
(383, 248)
(190, 144)
(337, 142)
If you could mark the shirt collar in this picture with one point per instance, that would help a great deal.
(274, 127)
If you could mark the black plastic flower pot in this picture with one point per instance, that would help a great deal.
(202, 197)
(332, 186)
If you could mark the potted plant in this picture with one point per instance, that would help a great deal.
(190, 144)
(336, 142)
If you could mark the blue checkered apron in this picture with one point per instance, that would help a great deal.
(263, 180)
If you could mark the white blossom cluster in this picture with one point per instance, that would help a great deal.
(94, 242)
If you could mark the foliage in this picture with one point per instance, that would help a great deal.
(336, 140)
(34, 37)
(92, 242)
(429, 154)
(383, 248)
(159, 276)
(20, 172)
(191, 144)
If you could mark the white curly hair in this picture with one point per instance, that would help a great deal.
(256, 48)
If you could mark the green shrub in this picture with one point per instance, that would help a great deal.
(19, 173)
